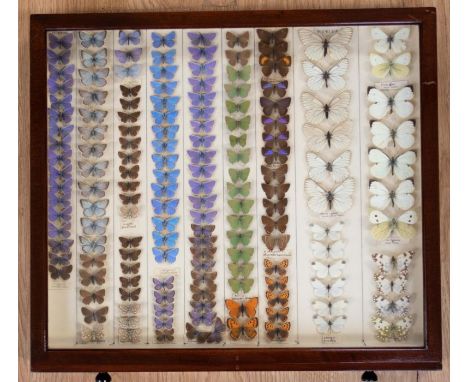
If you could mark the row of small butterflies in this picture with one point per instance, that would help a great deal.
(164, 308)
(129, 56)
(273, 48)
(130, 290)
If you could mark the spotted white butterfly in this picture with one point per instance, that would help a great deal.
(328, 289)
(388, 264)
(326, 232)
(384, 226)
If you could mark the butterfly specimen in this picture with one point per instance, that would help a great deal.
(397, 306)
(332, 325)
(129, 295)
(278, 191)
(334, 269)
(383, 104)
(275, 207)
(129, 335)
(241, 39)
(92, 335)
(60, 272)
(272, 267)
(398, 165)
(95, 39)
(277, 331)
(397, 67)
(130, 281)
(327, 290)
(395, 42)
(163, 40)
(319, 169)
(91, 315)
(129, 37)
(269, 88)
(89, 59)
(276, 241)
(280, 105)
(130, 242)
(247, 329)
(335, 110)
(387, 285)
(401, 197)
(130, 105)
(388, 264)
(333, 250)
(62, 41)
(280, 224)
(95, 278)
(385, 226)
(278, 283)
(329, 78)
(402, 135)
(271, 64)
(132, 55)
(235, 57)
(328, 308)
(88, 261)
(322, 200)
(129, 172)
(326, 44)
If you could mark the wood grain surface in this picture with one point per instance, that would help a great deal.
(82, 6)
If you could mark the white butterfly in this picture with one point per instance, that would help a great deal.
(334, 325)
(382, 104)
(388, 331)
(335, 138)
(328, 270)
(332, 77)
(320, 44)
(328, 232)
(397, 67)
(389, 264)
(319, 169)
(402, 135)
(322, 251)
(386, 286)
(335, 110)
(399, 165)
(385, 42)
(385, 226)
(326, 290)
(339, 199)
(400, 197)
(387, 306)
(329, 308)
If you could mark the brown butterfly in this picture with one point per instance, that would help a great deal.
(241, 39)
(281, 297)
(271, 174)
(94, 296)
(194, 334)
(203, 230)
(129, 172)
(235, 57)
(202, 294)
(131, 322)
(204, 278)
(280, 124)
(165, 336)
(130, 105)
(129, 130)
(130, 281)
(95, 278)
(279, 191)
(280, 314)
(269, 106)
(203, 241)
(205, 252)
(130, 158)
(279, 206)
(280, 283)
(130, 143)
(273, 50)
(130, 268)
(130, 254)
(130, 242)
(129, 117)
(280, 241)
(280, 224)
(128, 186)
(98, 315)
(272, 37)
(279, 332)
(60, 273)
(276, 139)
(279, 268)
(276, 154)
(278, 87)
(127, 295)
(92, 261)
(130, 92)
(274, 64)
(130, 199)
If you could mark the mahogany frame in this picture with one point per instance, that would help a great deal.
(205, 359)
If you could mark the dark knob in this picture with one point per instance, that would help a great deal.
(369, 376)
(103, 377)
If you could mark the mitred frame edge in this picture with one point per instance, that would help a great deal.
(427, 357)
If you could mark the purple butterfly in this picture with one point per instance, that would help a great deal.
(63, 114)
(58, 58)
(59, 132)
(129, 55)
(132, 37)
(64, 87)
(204, 171)
(163, 324)
(60, 173)
(197, 156)
(204, 85)
(65, 73)
(206, 217)
(201, 188)
(284, 136)
(205, 230)
(203, 52)
(202, 140)
(203, 266)
(202, 127)
(59, 103)
(205, 68)
(216, 334)
(202, 202)
(63, 42)
(166, 297)
(202, 99)
(270, 152)
(283, 85)
(60, 246)
(60, 160)
(167, 310)
(60, 143)
(163, 283)
(204, 39)
(63, 259)
(62, 214)
(201, 112)
(203, 306)
(269, 121)
(59, 230)
(205, 318)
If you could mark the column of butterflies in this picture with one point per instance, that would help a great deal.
(237, 187)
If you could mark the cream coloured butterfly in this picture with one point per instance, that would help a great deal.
(400, 197)
(395, 42)
(397, 67)
(334, 110)
(332, 77)
(94, 335)
(398, 165)
(383, 104)
(326, 290)
(387, 306)
(387, 285)
(328, 270)
(323, 44)
(387, 330)
(323, 200)
(334, 250)
(389, 264)
(335, 138)
(319, 170)
(385, 226)
(328, 308)
(403, 135)
(335, 324)
(326, 232)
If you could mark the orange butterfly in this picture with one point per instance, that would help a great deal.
(280, 283)
(279, 267)
(248, 307)
(247, 329)
(277, 298)
(280, 314)
(279, 332)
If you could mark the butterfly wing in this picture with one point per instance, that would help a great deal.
(380, 198)
(314, 43)
(381, 40)
(379, 107)
(381, 66)
(382, 225)
(316, 79)
(402, 102)
(402, 165)
(400, 65)
(335, 74)
(342, 196)
(338, 42)
(317, 196)
(381, 134)
(399, 40)
(382, 165)
(338, 107)
(317, 167)
(403, 197)
(404, 134)
(405, 225)
(314, 108)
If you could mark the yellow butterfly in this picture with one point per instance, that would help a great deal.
(397, 67)
(384, 226)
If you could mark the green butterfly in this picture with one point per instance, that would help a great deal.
(240, 270)
(237, 238)
(242, 123)
(243, 74)
(241, 141)
(243, 284)
(234, 91)
(234, 190)
(238, 156)
(241, 205)
(244, 254)
(237, 175)
(233, 107)
(239, 221)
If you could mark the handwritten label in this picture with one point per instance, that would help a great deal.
(127, 224)
(328, 339)
(391, 85)
(277, 253)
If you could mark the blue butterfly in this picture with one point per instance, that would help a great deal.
(168, 207)
(164, 87)
(169, 224)
(127, 71)
(166, 190)
(167, 117)
(165, 240)
(164, 146)
(96, 77)
(94, 226)
(97, 208)
(168, 132)
(163, 58)
(168, 255)
(160, 40)
(166, 177)
(92, 38)
(164, 103)
(162, 161)
(129, 38)
(163, 71)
